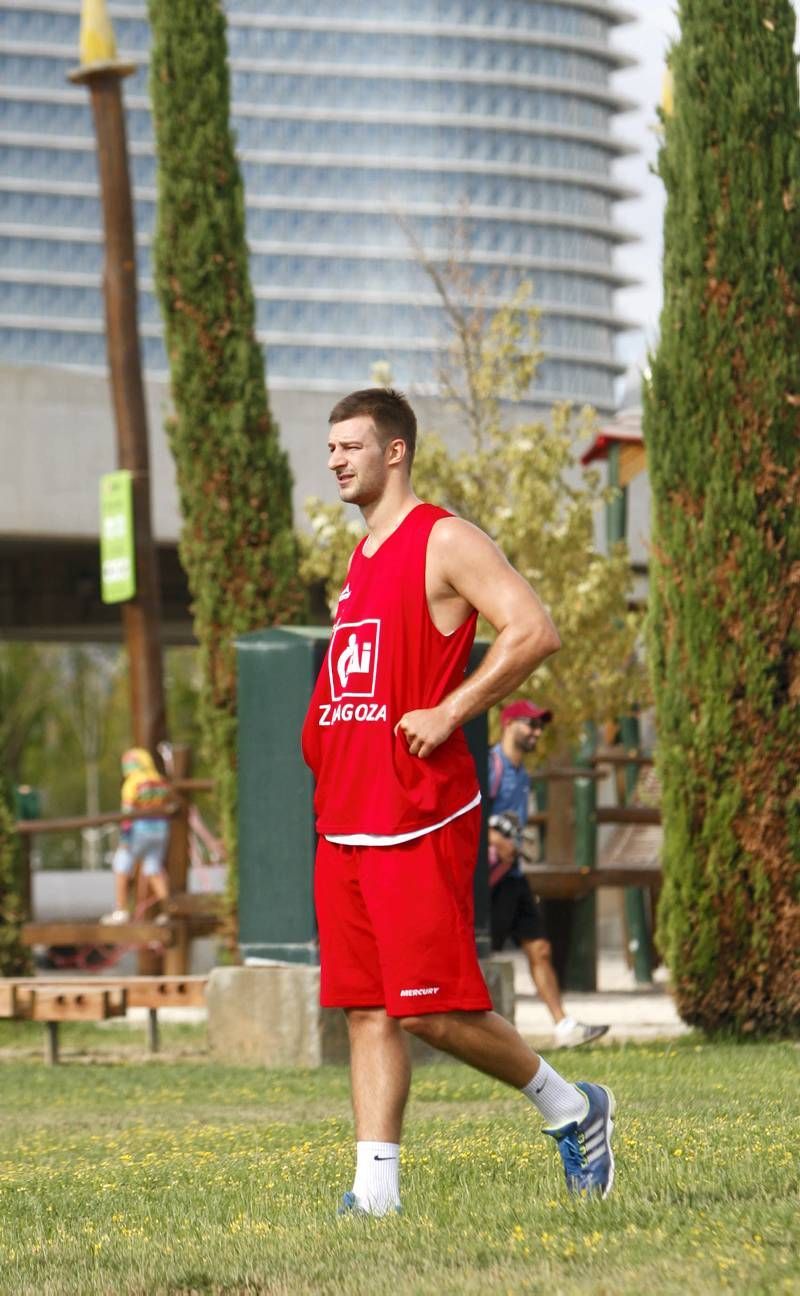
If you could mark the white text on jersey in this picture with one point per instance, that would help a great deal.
(364, 712)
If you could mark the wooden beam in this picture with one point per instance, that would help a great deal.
(176, 958)
(69, 1004)
(169, 992)
(566, 772)
(31, 827)
(634, 814)
(553, 883)
(141, 992)
(77, 933)
(177, 861)
(196, 904)
(622, 758)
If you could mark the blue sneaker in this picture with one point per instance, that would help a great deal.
(350, 1206)
(585, 1146)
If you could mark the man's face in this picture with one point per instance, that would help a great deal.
(358, 459)
(527, 733)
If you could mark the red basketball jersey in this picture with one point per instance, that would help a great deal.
(386, 657)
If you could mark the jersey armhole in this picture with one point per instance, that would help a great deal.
(472, 615)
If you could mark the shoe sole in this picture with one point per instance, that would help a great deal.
(610, 1118)
(583, 1042)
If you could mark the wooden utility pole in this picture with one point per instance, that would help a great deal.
(102, 72)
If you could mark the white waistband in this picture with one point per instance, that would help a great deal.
(371, 839)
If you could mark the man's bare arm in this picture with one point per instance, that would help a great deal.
(467, 563)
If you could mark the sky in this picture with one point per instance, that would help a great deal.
(648, 40)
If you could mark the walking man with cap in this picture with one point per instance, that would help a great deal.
(397, 803)
(515, 913)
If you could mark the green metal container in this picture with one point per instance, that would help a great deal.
(277, 670)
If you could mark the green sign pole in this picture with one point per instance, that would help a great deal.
(635, 905)
(581, 969)
(117, 544)
(638, 932)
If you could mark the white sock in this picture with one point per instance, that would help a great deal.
(376, 1186)
(557, 1100)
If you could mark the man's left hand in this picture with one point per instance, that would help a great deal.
(424, 731)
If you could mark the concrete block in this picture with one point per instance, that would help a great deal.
(498, 974)
(271, 1017)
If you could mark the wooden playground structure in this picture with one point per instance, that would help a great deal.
(163, 947)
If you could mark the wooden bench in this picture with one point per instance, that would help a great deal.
(66, 998)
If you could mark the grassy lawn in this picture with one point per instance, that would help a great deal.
(120, 1174)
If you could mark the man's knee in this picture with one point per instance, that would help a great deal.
(430, 1027)
(362, 1020)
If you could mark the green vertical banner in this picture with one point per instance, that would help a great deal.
(117, 548)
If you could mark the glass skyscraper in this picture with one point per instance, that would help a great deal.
(362, 128)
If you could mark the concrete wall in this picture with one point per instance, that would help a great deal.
(57, 438)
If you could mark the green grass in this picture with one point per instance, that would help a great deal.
(123, 1175)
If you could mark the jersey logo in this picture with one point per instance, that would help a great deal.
(346, 592)
(353, 659)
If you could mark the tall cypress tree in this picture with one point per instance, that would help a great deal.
(237, 545)
(721, 426)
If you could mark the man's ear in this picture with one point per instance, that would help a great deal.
(397, 451)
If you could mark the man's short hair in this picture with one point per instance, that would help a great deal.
(390, 412)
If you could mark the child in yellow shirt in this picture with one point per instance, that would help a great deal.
(141, 840)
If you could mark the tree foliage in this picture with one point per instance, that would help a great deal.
(237, 544)
(721, 428)
(15, 958)
(520, 480)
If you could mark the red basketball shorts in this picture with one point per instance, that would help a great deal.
(396, 923)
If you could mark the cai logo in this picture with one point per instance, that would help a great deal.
(353, 659)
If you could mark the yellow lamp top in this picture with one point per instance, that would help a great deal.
(97, 43)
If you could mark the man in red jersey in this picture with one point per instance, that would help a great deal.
(397, 802)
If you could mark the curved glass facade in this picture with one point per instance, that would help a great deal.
(352, 130)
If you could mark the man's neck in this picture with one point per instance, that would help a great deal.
(384, 515)
(510, 749)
